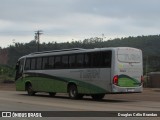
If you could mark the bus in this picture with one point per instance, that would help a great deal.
(80, 72)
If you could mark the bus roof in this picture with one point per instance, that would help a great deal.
(69, 51)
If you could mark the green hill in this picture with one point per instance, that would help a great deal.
(148, 44)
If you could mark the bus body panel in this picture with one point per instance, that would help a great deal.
(88, 81)
(126, 63)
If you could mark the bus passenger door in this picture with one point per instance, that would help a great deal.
(19, 69)
(19, 75)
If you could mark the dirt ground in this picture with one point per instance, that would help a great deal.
(7, 86)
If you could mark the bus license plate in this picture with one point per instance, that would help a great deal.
(130, 90)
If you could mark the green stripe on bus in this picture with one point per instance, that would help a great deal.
(126, 81)
(48, 83)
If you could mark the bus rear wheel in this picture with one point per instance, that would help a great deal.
(98, 96)
(52, 94)
(30, 90)
(73, 92)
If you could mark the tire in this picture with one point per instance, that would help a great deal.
(98, 96)
(73, 92)
(30, 90)
(52, 94)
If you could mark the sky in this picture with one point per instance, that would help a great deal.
(72, 20)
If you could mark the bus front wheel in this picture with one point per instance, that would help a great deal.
(30, 90)
(73, 92)
(98, 96)
(52, 94)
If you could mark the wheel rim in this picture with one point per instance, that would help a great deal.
(73, 91)
(30, 90)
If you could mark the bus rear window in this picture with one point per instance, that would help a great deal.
(129, 55)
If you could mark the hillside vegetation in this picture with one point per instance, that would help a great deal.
(150, 45)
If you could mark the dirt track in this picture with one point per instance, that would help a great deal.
(7, 87)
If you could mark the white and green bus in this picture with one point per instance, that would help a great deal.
(80, 72)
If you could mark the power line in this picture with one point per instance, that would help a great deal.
(37, 38)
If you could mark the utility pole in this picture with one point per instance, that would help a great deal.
(147, 79)
(103, 37)
(37, 38)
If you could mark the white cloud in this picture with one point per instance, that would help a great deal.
(77, 19)
(5, 24)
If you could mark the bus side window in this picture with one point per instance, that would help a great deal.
(28, 64)
(51, 62)
(33, 64)
(106, 59)
(72, 61)
(95, 59)
(39, 64)
(58, 62)
(45, 63)
(65, 61)
(79, 60)
(87, 60)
